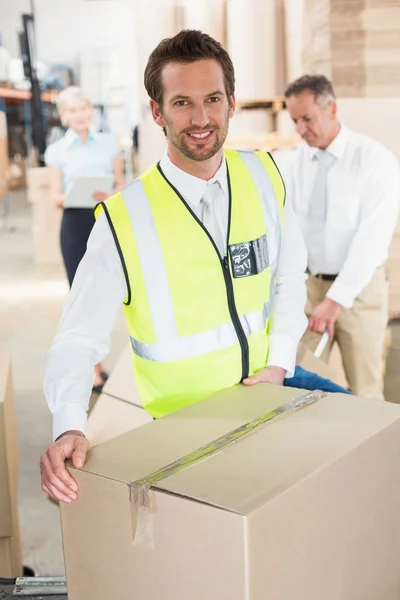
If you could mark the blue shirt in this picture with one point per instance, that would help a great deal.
(76, 159)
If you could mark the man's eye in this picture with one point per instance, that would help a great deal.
(214, 99)
(181, 103)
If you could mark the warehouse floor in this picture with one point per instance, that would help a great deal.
(31, 300)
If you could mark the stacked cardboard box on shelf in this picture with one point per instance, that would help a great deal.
(356, 44)
(10, 552)
(222, 500)
(46, 218)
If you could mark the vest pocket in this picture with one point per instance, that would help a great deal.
(249, 258)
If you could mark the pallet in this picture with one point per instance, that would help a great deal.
(274, 104)
(7, 587)
(264, 143)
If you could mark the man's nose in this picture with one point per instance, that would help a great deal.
(200, 117)
(301, 128)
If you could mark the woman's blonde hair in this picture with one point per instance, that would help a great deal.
(68, 97)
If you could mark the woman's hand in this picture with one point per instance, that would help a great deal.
(100, 196)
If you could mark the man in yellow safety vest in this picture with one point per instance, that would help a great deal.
(202, 251)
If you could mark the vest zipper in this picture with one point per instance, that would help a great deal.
(244, 345)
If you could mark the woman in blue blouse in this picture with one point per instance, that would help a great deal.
(82, 152)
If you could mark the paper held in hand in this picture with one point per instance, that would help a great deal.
(81, 193)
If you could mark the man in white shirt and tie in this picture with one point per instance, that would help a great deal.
(345, 192)
(203, 252)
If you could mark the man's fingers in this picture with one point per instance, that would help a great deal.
(57, 495)
(57, 458)
(79, 454)
(331, 330)
(318, 325)
(311, 323)
(45, 489)
(56, 475)
(53, 492)
(251, 380)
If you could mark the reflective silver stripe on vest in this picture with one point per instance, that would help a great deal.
(170, 346)
(190, 346)
(152, 262)
(270, 209)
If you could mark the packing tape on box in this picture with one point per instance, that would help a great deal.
(141, 495)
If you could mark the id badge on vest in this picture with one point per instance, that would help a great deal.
(249, 258)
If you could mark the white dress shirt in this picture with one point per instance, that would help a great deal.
(99, 288)
(363, 194)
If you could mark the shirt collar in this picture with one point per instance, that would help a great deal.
(337, 146)
(71, 137)
(192, 188)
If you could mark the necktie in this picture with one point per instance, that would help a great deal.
(318, 209)
(212, 218)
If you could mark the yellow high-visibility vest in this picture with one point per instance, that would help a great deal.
(198, 322)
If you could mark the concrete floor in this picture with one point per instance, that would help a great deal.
(31, 300)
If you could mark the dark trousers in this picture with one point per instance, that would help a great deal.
(311, 381)
(76, 225)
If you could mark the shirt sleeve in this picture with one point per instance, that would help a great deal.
(83, 335)
(52, 156)
(378, 220)
(289, 321)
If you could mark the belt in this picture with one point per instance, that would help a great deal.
(323, 276)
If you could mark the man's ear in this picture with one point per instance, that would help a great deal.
(156, 113)
(333, 109)
(232, 105)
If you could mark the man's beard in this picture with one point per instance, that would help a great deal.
(179, 141)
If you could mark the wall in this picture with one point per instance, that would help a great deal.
(67, 30)
(11, 22)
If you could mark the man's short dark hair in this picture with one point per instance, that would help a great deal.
(187, 46)
(318, 85)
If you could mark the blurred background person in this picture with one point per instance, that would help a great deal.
(345, 192)
(81, 153)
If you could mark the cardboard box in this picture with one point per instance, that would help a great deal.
(118, 409)
(307, 360)
(112, 417)
(17, 172)
(355, 44)
(121, 382)
(303, 507)
(10, 553)
(46, 218)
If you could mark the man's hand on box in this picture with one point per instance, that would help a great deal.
(274, 375)
(56, 481)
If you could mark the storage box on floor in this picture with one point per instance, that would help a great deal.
(118, 409)
(46, 218)
(302, 507)
(10, 554)
(112, 416)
